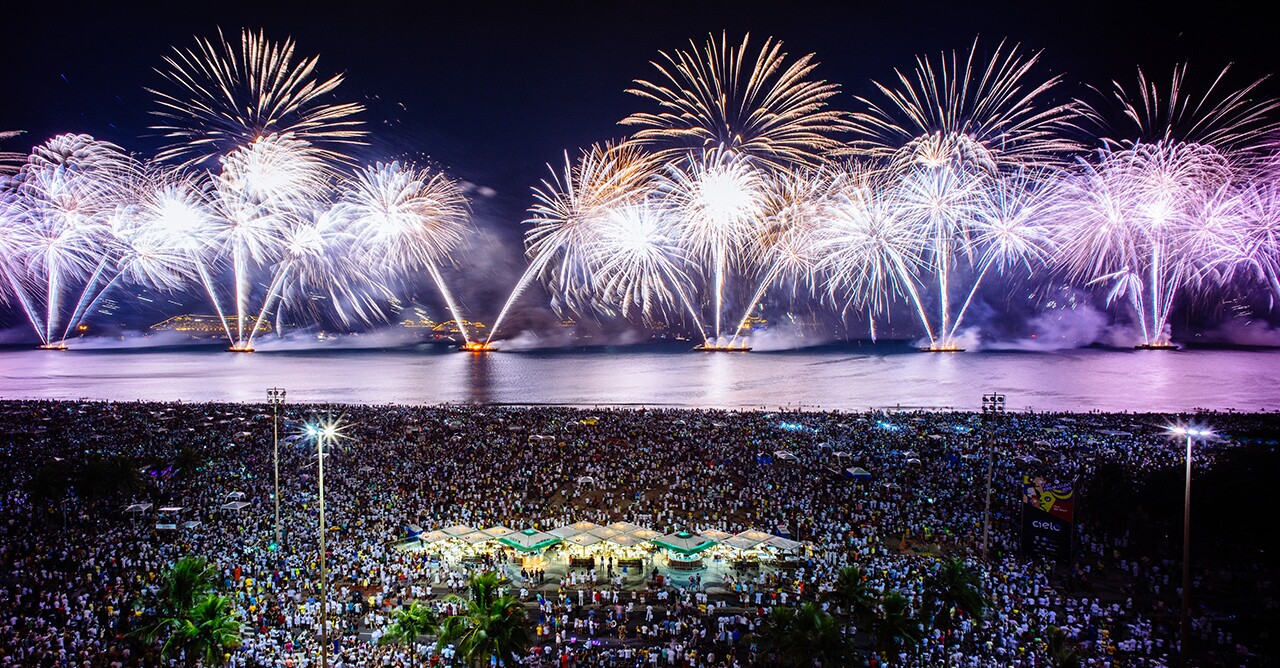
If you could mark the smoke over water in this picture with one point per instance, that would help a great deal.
(784, 337)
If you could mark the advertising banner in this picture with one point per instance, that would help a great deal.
(1048, 519)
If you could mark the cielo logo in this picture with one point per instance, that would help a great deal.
(1041, 524)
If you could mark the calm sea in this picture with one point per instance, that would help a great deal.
(847, 376)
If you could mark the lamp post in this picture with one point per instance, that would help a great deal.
(992, 413)
(275, 397)
(1191, 434)
(323, 434)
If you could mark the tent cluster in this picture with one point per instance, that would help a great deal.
(618, 535)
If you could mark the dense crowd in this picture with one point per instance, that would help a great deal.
(77, 571)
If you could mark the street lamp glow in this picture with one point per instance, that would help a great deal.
(324, 433)
(328, 430)
(1191, 433)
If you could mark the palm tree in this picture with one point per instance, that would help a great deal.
(954, 586)
(184, 584)
(489, 625)
(103, 477)
(852, 592)
(407, 625)
(207, 634)
(804, 636)
(779, 637)
(1062, 652)
(893, 626)
(824, 642)
(188, 583)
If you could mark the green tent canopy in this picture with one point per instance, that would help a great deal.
(529, 540)
(684, 542)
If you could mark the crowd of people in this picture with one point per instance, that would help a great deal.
(78, 570)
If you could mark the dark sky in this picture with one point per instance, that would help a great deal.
(494, 91)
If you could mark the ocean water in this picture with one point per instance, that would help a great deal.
(846, 376)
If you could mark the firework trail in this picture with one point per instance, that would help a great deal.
(991, 113)
(717, 96)
(13, 242)
(784, 250)
(253, 209)
(1131, 222)
(404, 219)
(1159, 206)
(566, 217)
(66, 192)
(133, 251)
(641, 264)
(219, 96)
(1234, 121)
(718, 202)
(175, 220)
(318, 259)
(870, 252)
(10, 161)
(1254, 248)
(949, 129)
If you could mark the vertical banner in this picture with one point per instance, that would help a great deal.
(1048, 518)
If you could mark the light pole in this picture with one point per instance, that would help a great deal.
(324, 434)
(992, 414)
(275, 397)
(1191, 434)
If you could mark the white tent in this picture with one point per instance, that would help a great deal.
(566, 532)
(748, 539)
(645, 534)
(476, 538)
(499, 531)
(584, 539)
(624, 527)
(782, 544)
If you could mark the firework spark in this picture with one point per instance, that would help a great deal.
(1233, 120)
(219, 96)
(718, 201)
(404, 218)
(960, 108)
(1132, 220)
(716, 95)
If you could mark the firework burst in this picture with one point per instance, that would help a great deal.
(994, 113)
(404, 218)
(718, 202)
(566, 216)
(1135, 221)
(717, 95)
(219, 96)
(1232, 120)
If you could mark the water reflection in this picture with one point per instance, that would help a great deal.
(835, 377)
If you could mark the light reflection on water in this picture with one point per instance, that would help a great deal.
(843, 377)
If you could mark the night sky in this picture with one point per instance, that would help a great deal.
(493, 92)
